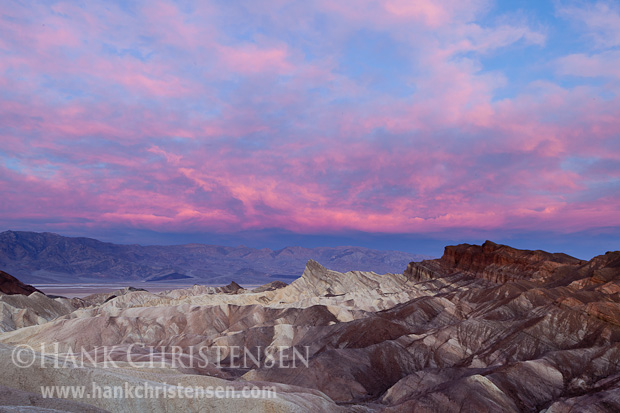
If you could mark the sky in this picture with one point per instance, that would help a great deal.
(390, 124)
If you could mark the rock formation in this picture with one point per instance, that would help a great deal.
(17, 311)
(23, 305)
(484, 328)
(10, 285)
(274, 285)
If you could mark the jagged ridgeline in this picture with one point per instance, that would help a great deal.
(484, 328)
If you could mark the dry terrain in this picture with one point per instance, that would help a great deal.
(484, 328)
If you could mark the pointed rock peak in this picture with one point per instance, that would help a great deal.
(313, 266)
(313, 270)
(233, 287)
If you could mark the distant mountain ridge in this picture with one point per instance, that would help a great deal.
(47, 258)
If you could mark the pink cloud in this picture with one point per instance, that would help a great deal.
(602, 64)
(430, 12)
(250, 59)
(601, 18)
(169, 122)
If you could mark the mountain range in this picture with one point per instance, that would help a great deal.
(52, 258)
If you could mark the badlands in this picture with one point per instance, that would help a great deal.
(485, 328)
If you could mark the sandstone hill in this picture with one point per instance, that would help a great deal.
(484, 328)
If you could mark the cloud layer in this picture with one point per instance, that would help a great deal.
(312, 117)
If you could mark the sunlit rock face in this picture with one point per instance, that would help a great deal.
(484, 328)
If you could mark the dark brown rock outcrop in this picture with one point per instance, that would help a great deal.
(496, 263)
(11, 285)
